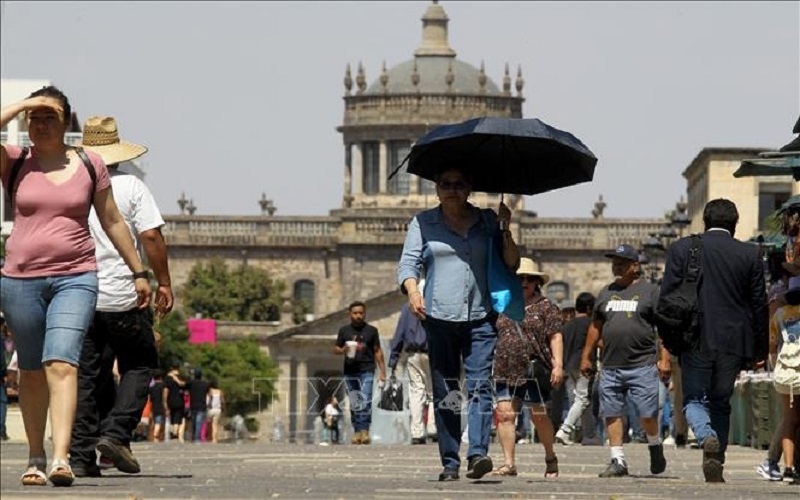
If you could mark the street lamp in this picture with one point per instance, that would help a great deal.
(652, 248)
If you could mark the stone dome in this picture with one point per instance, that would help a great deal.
(433, 71)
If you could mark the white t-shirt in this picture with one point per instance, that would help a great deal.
(117, 292)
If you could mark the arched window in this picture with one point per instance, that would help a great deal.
(304, 297)
(557, 291)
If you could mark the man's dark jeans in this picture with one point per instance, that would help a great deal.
(103, 409)
(708, 380)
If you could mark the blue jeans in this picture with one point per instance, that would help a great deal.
(449, 344)
(49, 316)
(708, 379)
(359, 390)
(198, 418)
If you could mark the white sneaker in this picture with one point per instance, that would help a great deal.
(669, 441)
(563, 438)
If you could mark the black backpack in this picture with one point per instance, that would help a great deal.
(677, 313)
(11, 188)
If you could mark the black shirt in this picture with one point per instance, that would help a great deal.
(175, 396)
(198, 390)
(157, 398)
(367, 337)
(575, 332)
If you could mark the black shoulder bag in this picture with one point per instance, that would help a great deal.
(11, 189)
(677, 312)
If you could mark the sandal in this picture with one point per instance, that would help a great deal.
(34, 475)
(551, 467)
(61, 473)
(505, 470)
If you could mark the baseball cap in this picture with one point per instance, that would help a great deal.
(624, 251)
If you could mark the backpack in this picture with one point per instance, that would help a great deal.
(787, 365)
(11, 188)
(677, 314)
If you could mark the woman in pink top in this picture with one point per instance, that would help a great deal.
(48, 287)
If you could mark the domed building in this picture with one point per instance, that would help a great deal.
(383, 119)
(352, 253)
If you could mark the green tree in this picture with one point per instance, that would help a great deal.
(175, 347)
(244, 294)
(244, 373)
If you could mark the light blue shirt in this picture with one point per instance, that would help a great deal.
(456, 287)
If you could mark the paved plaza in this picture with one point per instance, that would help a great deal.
(262, 469)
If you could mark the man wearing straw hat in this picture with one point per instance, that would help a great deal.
(106, 417)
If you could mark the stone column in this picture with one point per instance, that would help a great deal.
(357, 168)
(301, 408)
(413, 180)
(348, 171)
(281, 406)
(382, 161)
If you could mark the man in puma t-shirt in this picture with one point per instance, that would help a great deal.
(623, 318)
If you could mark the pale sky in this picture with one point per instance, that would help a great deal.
(236, 98)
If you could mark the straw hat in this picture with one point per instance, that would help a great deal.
(528, 268)
(100, 135)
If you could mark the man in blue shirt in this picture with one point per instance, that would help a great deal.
(411, 338)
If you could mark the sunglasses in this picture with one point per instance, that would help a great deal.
(455, 186)
(529, 279)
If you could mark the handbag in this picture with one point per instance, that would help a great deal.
(392, 396)
(538, 373)
(504, 285)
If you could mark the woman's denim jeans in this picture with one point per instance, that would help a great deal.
(49, 316)
(449, 343)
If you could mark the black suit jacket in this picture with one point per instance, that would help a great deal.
(732, 299)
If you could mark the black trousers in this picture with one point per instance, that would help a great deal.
(103, 409)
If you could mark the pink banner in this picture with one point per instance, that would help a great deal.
(202, 331)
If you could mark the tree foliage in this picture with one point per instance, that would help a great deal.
(244, 294)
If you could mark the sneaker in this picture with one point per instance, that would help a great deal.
(364, 437)
(712, 467)
(563, 438)
(479, 466)
(105, 463)
(789, 475)
(121, 455)
(448, 475)
(681, 440)
(356, 439)
(616, 468)
(417, 440)
(669, 441)
(523, 441)
(769, 470)
(658, 463)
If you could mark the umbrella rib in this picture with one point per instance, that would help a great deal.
(394, 172)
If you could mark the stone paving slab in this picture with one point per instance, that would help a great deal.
(271, 470)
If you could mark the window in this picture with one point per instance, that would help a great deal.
(770, 198)
(304, 296)
(369, 151)
(427, 187)
(557, 291)
(398, 150)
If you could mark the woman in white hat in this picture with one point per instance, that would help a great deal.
(528, 363)
(48, 287)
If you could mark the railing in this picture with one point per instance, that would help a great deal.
(533, 233)
(23, 139)
(222, 231)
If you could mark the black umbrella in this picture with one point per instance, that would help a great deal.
(504, 155)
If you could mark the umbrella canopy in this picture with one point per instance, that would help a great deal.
(505, 155)
(784, 163)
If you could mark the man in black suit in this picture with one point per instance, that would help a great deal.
(732, 301)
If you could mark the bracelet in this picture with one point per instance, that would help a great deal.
(142, 275)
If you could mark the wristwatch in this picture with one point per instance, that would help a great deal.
(142, 274)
